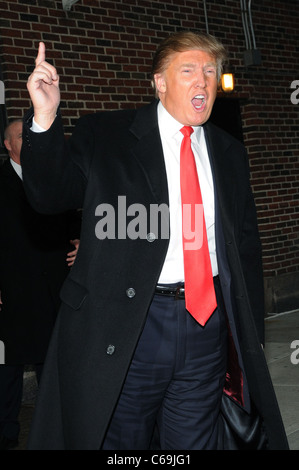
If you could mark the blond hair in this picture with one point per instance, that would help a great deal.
(185, 41)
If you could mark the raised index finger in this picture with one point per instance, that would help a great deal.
(41, 56)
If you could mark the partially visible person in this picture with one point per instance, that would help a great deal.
(35, 255)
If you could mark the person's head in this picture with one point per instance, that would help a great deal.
(186, 70)
(13, 139)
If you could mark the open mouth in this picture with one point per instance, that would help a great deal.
(199, 101)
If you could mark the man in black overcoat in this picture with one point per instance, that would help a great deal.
(33, 266)
(127, 361)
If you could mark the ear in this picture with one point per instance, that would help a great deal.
(7, 144)
(160, 82)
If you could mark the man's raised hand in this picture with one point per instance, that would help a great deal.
(43, 87)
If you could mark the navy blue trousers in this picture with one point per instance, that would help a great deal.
(174, 385)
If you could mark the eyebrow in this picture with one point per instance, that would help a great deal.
(192, 65)
(187, 65)
(210, 64)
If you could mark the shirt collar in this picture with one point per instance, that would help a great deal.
(17, 168)
(170, 127)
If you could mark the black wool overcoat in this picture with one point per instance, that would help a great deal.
(106, 297)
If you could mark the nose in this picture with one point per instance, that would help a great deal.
(201, 79)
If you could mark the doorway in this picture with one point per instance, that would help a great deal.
(226, 114)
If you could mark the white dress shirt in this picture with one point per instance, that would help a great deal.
(173, 269)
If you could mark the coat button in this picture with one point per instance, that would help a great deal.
(151, 237)
(130, 292)
(110, 350)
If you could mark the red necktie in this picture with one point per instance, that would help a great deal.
(199, 287)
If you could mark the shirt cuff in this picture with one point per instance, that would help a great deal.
(36, 127)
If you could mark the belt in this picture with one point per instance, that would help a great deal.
(176, 290)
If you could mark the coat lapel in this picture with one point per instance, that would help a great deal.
(148, 151)
(219, 153)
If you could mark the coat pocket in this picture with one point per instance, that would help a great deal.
(73, 294)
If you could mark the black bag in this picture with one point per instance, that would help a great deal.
(239, 430)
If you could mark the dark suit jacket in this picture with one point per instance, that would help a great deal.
(33, 266)
(120, 153)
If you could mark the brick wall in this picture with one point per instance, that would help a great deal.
(103, 52)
